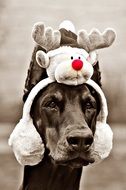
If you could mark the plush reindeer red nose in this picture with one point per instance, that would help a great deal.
(77, 64)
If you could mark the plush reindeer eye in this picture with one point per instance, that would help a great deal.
(71, 57)
(79, 57)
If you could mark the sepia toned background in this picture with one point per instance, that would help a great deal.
(16, 20)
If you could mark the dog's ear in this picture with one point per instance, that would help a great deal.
(35, 73)
(97, 74)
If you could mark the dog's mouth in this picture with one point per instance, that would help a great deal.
(70, 156)
(75, 162)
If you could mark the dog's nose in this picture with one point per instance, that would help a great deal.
(77, 64)
(80, 141)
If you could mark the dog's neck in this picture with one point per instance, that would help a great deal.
(49, 176)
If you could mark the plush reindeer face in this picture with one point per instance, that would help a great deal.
(66, 121)
(67, 65)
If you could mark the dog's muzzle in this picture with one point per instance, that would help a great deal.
(74, 148)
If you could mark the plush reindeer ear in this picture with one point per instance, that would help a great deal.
(93, 57)
(35, 73)
(42, 59)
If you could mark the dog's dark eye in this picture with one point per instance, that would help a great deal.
(88, 105)
(52, 104)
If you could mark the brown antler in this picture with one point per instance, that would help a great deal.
(46, 37)
(95, 39)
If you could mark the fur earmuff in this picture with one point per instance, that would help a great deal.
(102, 141)
(27, 143)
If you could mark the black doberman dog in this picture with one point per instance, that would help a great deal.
(65, 117)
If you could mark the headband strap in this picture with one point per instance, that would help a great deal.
(104, 107)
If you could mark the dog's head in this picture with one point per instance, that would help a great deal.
(66, 121)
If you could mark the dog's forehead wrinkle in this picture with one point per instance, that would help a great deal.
(66, 88)
(57, 95)
(61, 92)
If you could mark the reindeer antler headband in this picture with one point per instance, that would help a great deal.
(50, 39)
(69, 60)
(46, 37)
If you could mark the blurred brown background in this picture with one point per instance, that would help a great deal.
(16, 21)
